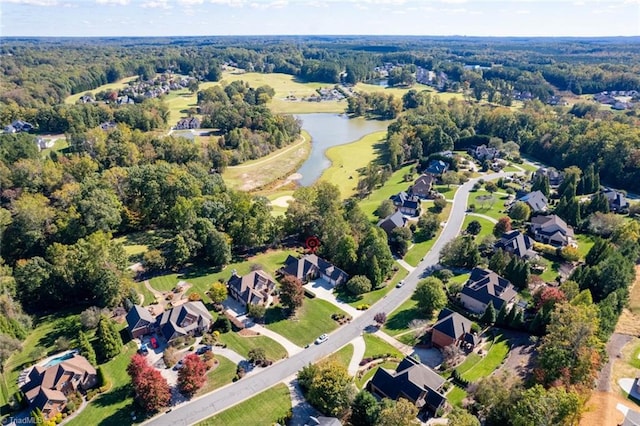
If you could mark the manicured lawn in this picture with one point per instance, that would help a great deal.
(487, 226)
(528, 167)
(243, 345)
(398, 321)
(115, 406)
(495, 210)
(476, 367)
(448, 191)
(395, 184)
(348, 159)
(222, 375)
(279, 164)
(263, 409)
(460, 279)
(148, 297)
(343, 356)
(389, 365)
(179, 102)
(202, 277)
(585, 242)
(310, 321)
(59, 145)
(419, 250)
(551, 272)
(373, 296)
(138, 243)
(456, 395)
(377, 346)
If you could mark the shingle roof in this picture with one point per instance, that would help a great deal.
(549, 225)
(452, 324)
(310, 265)
(437, 167)
(486, 286)
(536, 200)
(422, 185)
(137, 313)
(254, 287)
(517, 243)
(180, 320)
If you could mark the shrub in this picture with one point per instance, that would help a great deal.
(363, 307)
(194, 297)
(170, 356)
(222, 324)
(90, 317)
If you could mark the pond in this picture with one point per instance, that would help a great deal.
(329, 130)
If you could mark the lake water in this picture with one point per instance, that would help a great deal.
(329, 130)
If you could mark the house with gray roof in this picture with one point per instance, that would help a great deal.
(555, 177)
(422, 187)
(406, 204)
(551, 230)
(484, 286)
(393, 221)
(139, 321)
(311, 267)
(411, 380)
(484, 152)
(453, 329)
(617, 201)
(253, 288)
(188, 319)
(536, 200)
(516, 243)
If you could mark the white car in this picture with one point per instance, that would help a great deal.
(400, 284)
(323, 338)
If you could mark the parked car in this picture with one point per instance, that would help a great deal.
(144, 350)
(203, 349)
(400, 284)
(323, 338)
(154, 343)
(178, 365)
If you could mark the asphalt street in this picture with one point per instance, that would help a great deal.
(199, 409)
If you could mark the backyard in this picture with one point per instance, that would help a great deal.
(395, 184)
(475, 366)
(310, 321)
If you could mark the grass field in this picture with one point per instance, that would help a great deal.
(202, 278)
(487, 226)
(377, 346)
(120, 84)
(395, 184)
(274, 350)
(264, 409)
(58, 145)
(179, 102)
(138, 243)
(476, 367)
(311, 320)
(389, 365)
(456, 395)
(343, 355)
(148, 297)
(449, 191)
(495, 210)
(419, 250)
(585, 242)
(398, 321)
(279, 164)
(347, 159)
(222, 375)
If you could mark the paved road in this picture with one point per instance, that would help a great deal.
(207, 405)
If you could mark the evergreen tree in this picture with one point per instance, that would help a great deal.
(502, 315)
(489, 315)
(508, 321)
(109, 343)
(86, 350)
(499, 261)
(365, 410)
(518, 320)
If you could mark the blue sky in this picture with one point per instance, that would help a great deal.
(265, 17)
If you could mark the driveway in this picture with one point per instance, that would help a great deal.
(614, 346)
(359, 347)
(323, 290)
(430, 357)
(301, 409)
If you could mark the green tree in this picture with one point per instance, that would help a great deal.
(450, 178)
(364, 410)
(430, 295)
(257, 312)
(398, 413)
(520, 211)
(428, 225)
(86, 350)
(346, 253)
(489, 315)
(108, 341)
(474, 227)
(358, 284)
(546, 407)
(400, 239)
(331, 390)
(385, 209)
(461, 252)
(218, 292)
(499, 261)
(501, 317)
(461, 417)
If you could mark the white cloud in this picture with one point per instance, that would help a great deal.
(156, 4)
(231, 3)
(523, 12)
(190, 2)
(118, 2)
(275, 4)
(34, 2)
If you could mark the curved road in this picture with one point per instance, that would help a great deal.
(199, 409)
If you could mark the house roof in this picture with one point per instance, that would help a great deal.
(180, 320)
(311, 264)
(393, 221)
(549, 225)
(437, 167)
(486, 286)
(136, 314)
(616, 199)
(517, 243)
(403, 199)
(453, 325)
(422, 184)
(254, 287)
(411, 378)
(536, 200)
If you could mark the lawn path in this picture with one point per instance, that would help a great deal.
(269, 158)
(405, 349)
(289, 346)
(484, 216)
(405, 265)
(159, 296)
(359, 347)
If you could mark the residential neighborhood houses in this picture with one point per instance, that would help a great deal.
(483, 287)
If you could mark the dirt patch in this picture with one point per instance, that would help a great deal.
(282, 201)
(601, 409)
(245, 332)
(620, 364)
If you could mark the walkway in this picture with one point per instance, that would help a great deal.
(323, 290)
(405, 349)
(233, 356)
(289, 346)
(359, 347)
(405, 265)
(300, 408)
(483, 216)
(159, 296)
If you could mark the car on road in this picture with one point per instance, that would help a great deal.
(400, 284)
(323, 338)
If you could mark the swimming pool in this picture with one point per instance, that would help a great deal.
(58, 360)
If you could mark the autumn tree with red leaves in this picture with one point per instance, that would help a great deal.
(192, 375)
(152, 390)
(291, 292)
(548, 297)
(503, 225)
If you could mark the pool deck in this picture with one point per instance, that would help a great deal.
(25, 373)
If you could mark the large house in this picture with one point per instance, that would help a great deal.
(484, 152)
(453, 329)
(47, 387)
(617, 201)
(411, 380)
(188, 123)
(485, 286)
(391, 222)
(555, 177)
(551, 230)
(406, 204)
(517, 243)
(311, 267)
(536, 200)
(140, 321)
(253, 288)
(422, 187)
(188, 319)
(18, 126)
(437, 168)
